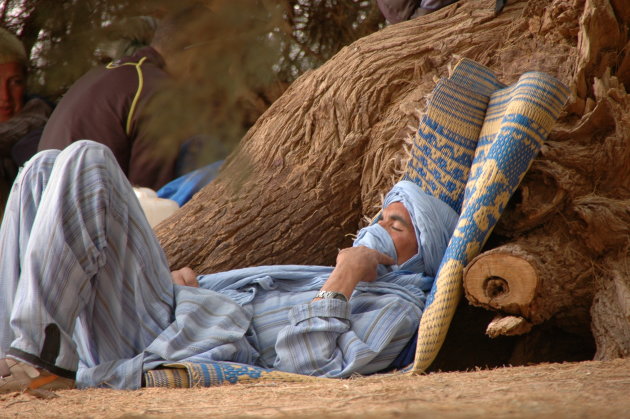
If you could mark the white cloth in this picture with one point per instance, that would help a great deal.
(155, 209)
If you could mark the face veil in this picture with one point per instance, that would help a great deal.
(434, 222)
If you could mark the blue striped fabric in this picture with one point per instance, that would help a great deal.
(77, 245)
(77, 252)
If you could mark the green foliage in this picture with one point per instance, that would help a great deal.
(243, 56)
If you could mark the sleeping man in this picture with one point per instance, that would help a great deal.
(87, 298)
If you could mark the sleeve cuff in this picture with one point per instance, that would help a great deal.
(320, 308)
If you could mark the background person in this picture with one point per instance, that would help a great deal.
(21, 118)
(396, 11)
(107, 104)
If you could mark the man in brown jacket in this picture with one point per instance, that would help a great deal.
(107, 105)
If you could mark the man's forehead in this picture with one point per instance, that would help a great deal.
(397, 208)
(11, 68)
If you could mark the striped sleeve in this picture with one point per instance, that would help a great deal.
(324, 338)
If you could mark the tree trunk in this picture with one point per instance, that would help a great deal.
(322, 155)
(537, 279)
(569, 222)
(611, 311)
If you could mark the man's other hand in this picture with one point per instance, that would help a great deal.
(355, 264)
(361, 262)
(185, 276)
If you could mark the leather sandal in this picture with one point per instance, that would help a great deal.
(19, 376)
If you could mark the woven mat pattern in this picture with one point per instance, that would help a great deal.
(190, 374)
(515, 124)
(446, 141)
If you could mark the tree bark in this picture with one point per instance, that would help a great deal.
(571, 214)
(322, 155)
(611, 312)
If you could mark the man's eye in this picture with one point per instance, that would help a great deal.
(17, 82)
(397, 229)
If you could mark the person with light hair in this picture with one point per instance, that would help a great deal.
(21, 119)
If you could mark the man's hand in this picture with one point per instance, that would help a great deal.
(361, 262)
(185, 276)
(355, 264)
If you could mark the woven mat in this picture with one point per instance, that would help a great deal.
(189, 374)
(473, 158)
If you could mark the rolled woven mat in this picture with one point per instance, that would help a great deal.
(516, 122)
(445, 144)
(190, 374)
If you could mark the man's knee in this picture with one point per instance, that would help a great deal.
(43, 160)
(88, 151)
(42, 156)
(87, 146)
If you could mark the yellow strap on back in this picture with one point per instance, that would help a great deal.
(134, 103)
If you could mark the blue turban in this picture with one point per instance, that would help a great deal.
(433, 220)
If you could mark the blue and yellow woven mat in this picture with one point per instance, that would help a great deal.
(473, 148)
(190, 374)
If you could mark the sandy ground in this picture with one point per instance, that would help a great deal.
(584, 389)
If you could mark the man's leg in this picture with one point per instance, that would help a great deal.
(15, 232)
(91, 256)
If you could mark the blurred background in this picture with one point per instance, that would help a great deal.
(247, 54)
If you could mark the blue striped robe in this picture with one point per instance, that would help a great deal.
(86, 289)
